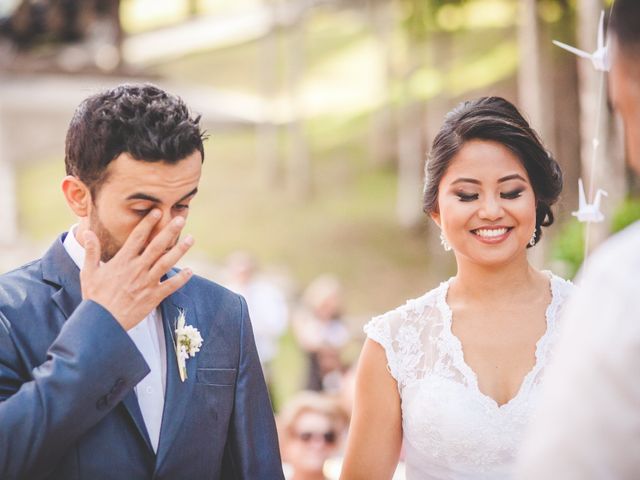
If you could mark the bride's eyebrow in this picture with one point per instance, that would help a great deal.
(515, 176)
(466, 180)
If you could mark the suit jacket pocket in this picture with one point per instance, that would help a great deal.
(220, 377)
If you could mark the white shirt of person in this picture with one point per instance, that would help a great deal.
(587, 425)
(148, 337)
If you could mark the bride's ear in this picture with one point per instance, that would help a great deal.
(435, 216)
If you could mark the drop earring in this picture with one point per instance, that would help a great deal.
(444, 243)
(532, 242)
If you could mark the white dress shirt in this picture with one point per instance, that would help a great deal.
(587, 426)
(148, 337)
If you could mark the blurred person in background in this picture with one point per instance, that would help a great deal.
(588, 424)
(267, 306)
(455, 373)
(320, 330)
(312, 426)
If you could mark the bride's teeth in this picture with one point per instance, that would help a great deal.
(494, 232)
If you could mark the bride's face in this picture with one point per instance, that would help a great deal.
(486, 204)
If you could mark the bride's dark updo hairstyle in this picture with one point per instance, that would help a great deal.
(495, 119)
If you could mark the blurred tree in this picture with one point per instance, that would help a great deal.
(382, 18)
(56, 22)
(194, 7)
(299, 161)
(267, 134)
(562, 82)
(417, 122)
(534, 93)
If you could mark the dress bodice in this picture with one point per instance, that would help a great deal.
(451, 430)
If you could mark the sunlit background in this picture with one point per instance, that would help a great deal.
(320, 114)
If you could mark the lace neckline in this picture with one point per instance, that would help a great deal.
(470, 374)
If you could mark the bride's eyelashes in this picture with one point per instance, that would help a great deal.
(470, 197)
(467, 197)
(513, 194)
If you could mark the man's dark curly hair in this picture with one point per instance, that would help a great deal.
(495, 119)
(144, 121)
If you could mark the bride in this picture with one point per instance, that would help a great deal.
(452, 376)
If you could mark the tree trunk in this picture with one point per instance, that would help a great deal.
(267, 130)
(299, 174)
(534, 92)
(410, 162)
(382, 141)
(566, 111)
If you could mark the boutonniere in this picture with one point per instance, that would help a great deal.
(188, 343)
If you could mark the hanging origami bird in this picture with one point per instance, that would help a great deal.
(589, 212)
(599, 58)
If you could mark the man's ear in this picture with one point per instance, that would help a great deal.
(77, 194)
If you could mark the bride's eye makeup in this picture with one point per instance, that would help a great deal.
(467, 197)
(512, 194)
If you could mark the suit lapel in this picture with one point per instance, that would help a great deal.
(60, 270)
(177, 393)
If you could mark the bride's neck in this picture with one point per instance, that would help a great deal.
(484, 282)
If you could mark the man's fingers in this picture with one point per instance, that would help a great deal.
(92, 251)
(174, 283)
(169, 259)
(162, 242)
(140, 234)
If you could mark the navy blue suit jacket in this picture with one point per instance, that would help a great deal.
(67, 372)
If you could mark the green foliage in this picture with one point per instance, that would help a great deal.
(568, 246)
(627, 213)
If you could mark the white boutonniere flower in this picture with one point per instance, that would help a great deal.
(188, 343)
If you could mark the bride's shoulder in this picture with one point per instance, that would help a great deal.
(560, 287)
(414, 312)
(561, 291)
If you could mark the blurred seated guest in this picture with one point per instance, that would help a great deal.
(267, 305)
(320, 331)
(312, 427)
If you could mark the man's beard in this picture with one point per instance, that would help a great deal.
(109, 246)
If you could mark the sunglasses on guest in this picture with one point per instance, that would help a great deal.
(329, 437)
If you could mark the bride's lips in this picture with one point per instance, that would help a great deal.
(493, 234)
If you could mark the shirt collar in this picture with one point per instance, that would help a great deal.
(73, 247)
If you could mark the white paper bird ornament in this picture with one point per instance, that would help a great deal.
(599, 58)
(589, 212)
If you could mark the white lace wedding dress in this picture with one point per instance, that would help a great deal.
(451, 430)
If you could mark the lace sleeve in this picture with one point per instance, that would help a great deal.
(379, 330)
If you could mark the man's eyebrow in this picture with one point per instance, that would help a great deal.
(515, 176)
(143, 196)
(151, 198)
(190, 194)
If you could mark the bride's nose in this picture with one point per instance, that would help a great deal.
(490, 208)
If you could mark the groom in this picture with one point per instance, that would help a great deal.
(90, 380)
(588, 422)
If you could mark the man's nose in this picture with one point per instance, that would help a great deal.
(165, 219)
